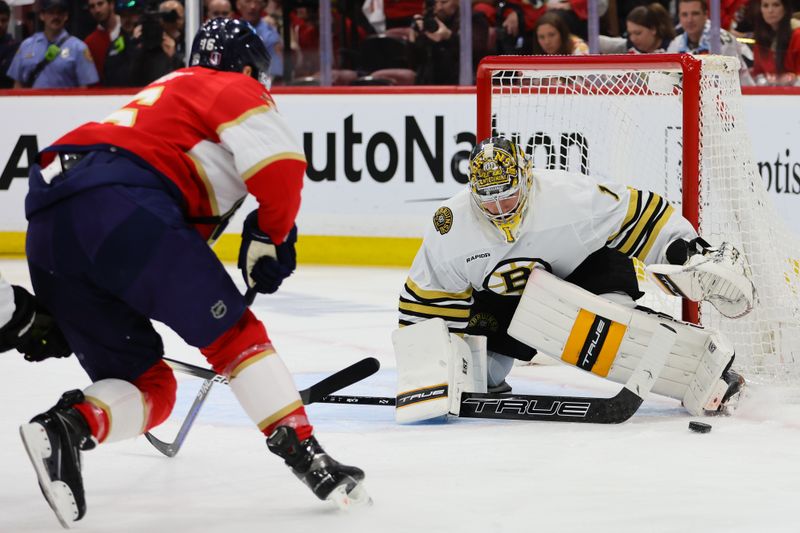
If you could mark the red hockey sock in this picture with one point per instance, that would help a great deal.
(296, 420)
(158, 387)
(96, 418)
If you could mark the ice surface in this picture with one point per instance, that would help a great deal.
(650, 474)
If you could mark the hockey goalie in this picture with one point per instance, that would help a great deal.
(527, 260)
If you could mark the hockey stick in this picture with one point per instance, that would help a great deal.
(614, 410)
(336, 381)
(170, 449)
(529, 407)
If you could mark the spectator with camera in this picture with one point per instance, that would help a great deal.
(436, 42)
(52, 58)
(172, 20)
(155, 51)
(8, 46)
(777, 49)
(513, 20)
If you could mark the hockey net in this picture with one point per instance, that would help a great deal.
(674, 125)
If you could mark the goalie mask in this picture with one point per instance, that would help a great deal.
(500, 177)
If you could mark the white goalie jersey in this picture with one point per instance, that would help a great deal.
(569, 216)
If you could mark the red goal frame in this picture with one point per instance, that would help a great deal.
(691, 131)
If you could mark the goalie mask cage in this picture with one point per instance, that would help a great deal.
(672, 124)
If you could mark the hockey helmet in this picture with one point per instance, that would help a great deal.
(230, 44)
(500, 178)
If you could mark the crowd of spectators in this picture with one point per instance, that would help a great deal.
(128, 43)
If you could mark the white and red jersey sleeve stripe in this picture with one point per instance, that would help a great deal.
(216, 136)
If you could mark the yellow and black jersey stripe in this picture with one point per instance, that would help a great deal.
(418, 304)
(646, 216)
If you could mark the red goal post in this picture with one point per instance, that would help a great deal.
(672, 124)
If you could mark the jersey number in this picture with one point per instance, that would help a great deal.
(127, 115)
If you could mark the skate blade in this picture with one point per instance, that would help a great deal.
(346, 500)
(58, 495)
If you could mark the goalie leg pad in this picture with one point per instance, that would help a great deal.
(434, 367)
(609, 340)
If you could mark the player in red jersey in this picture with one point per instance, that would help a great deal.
(119, 214)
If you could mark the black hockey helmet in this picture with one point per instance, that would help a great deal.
(230, 44)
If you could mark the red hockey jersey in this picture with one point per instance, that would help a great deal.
(216, 135)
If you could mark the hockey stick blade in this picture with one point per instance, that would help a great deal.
(550, 408)
(343, 378)
(338, 380)
(170, 449)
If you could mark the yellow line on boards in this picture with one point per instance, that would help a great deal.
(311, 249)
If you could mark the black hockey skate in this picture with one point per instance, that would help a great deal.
(54, 441)
(736, 384)
(730, 399)
(327, 478)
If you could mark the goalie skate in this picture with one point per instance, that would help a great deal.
(54, 441)
(328, 479)
(732, 390)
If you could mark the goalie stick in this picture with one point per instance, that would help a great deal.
(614, 410)
(313, 394)
(531, 407)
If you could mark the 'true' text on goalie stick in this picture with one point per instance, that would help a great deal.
(336, 381)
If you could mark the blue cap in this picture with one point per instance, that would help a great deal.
(46, 5)
(124, 5)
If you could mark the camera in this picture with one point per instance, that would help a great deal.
(152, 30)
(429, 22)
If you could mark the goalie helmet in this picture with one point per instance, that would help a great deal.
(230, 44)
(500, 178)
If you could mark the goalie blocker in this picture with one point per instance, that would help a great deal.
(608, 339)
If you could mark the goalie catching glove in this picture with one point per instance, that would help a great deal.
(31, 330)
(700, 272)
(264, 264)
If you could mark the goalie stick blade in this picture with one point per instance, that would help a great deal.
(343, 378)
(551, 408)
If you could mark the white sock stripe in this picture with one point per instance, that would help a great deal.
(265, 388)
(124, 405)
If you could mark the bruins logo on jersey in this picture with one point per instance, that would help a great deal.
(443, 220)
(509, 277)
(484, 322)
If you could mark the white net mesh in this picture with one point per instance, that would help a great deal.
(623, 121)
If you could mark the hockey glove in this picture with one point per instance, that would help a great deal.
(32, 331)
(263, 264)
(698, 272)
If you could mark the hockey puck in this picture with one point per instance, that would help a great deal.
(700, 427)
